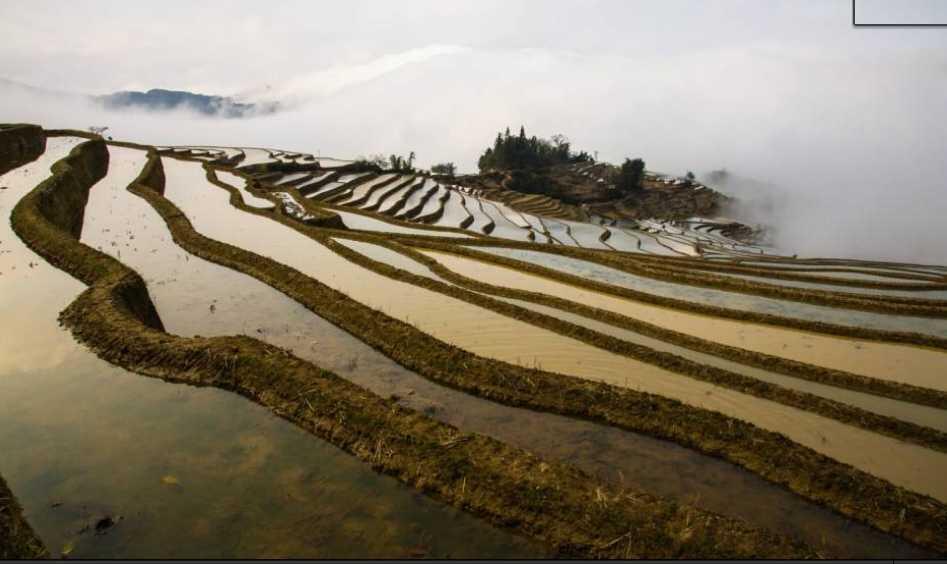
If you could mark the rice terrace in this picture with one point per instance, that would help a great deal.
(243, 351)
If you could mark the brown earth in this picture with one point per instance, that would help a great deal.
(17, 539)
(576, 191)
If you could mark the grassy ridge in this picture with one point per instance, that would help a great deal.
(572, 513)
(818, 478)
(20, 144)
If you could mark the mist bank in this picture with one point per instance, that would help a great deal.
(847, 150)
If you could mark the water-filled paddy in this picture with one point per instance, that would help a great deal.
(187, 294)
(342, 353)
(921, 415)
(480, 219)
(454, 211)
(241, 184)
(919, 293)
(614, 455)
(721, 298)
(495, 336)
(184, 471)
(901, 363)
(365, 223)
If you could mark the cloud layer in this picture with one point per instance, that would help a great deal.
(846, 124)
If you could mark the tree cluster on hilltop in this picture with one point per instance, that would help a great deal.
(630, 176)
(394, 163)
(520, 152)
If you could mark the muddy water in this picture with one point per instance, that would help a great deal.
(255, 156)
(857, 447)
(559, 231)
(384, 193)
(845, 267)
(515, 217)
(415, 198)
(365, 223)
(393, 199)
(454, 211)
(241, 185)
(623, 240)
(481, 220)
(488, 334)
(721, 298)
(433, 203)
(503, 227)
(586, 234)
(392, 258)
(615, 455)
(902, 363)
(317, 177)
(186, 472)
(920, 293)
(864, 273)
(921, 415)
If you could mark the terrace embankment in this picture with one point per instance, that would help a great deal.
(708, 274)
(681, 270)
(557, 504)
(19, 144)
(17, 539)
(905, 364)
(600, 272)
(186, 292)
(843, 387)
(490, 335)
(543, 390)
(234, 480)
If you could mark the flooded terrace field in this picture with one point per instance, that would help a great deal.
(239, 481)
(85, 440)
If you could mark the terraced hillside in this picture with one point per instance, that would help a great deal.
(382, 364)
(586, 192)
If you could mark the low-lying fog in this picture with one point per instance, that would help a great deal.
(842, 128)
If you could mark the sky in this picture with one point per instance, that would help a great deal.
(844, 124)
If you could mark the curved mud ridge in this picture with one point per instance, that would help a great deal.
(552, 502)
(816, 477)
(679, 270)
(885, 388)
(17, 539)
(899, 429)
(604, 259)
(20, 144)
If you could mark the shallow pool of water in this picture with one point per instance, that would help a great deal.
(721, 298)
(185, 472)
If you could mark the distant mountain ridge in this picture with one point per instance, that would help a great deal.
(161, 99)
(156, 99)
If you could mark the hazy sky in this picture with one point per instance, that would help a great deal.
(848, 121)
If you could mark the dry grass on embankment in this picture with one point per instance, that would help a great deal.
(818, 478)
(838, 378)
(20, 144)
(17, 539)
(910, 432)
(603, 258)
(570, 512)
(680, 270)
